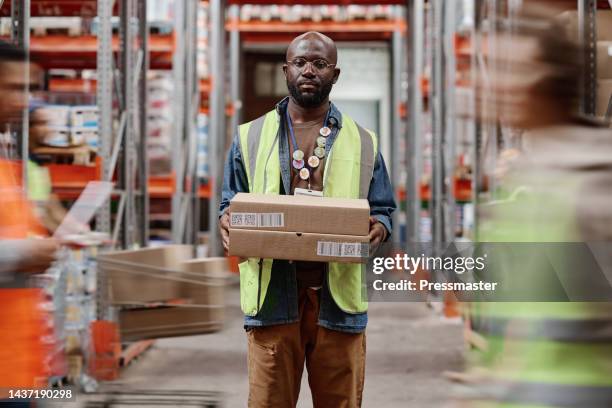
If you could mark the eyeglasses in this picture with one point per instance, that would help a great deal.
(318, 64)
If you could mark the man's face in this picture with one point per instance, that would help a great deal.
(12, 83)
(309, 76)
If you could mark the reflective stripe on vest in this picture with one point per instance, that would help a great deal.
(589, 330)
(348, 173)
(532, 394)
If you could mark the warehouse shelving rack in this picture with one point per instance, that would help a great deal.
(96, 52)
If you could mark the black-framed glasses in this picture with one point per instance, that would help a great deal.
(318, 64)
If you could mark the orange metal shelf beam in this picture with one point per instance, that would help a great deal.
(62, 51)
(59, 8)
(133, 350)
(463, 191)
(277, 31)
(319, 2)
(68, 180)
(229, 110)
(89, 85)
(324, 26)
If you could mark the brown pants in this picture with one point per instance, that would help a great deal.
(335, 361)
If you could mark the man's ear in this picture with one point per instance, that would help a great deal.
(336, 75)
(285, 70)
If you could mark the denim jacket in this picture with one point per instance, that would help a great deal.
(281, 302)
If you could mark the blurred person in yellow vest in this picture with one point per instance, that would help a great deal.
(47, 205)
(23, 250)
(544, 353)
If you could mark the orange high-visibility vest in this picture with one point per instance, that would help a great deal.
(22, 322)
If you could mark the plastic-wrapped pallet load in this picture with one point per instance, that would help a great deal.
(604, 76)
(163, 292)
(604, 59)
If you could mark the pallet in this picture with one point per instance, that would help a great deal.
(133, 351)
(81, 155)
(146, 398)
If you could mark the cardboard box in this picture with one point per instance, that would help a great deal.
(604, 24)
(58, 136)
(604, 60)
(321, 215)
(144, 275)
(299, 246)
(159, 322)
(604, 91)
(198, 310)
(84, 116)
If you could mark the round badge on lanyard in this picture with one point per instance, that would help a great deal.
(298, 164)
(320, 141)
(325, 131)
(304, 174)
(313, 162)
(319, 152)
(298, 155)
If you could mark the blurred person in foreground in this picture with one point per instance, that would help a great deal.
(306, 313)
(23, 251)
(551, 353)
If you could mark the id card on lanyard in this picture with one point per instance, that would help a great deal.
(307, 192)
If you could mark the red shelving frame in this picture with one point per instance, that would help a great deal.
(79, 52)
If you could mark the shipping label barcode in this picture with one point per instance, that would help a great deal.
(342, 249)
(258, 220)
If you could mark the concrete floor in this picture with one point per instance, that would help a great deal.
(408, 347)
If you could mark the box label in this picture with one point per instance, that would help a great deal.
(258, 220)
(343, 249)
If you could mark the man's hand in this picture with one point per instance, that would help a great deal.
(38, 254)
(378, 233)
(224, 229)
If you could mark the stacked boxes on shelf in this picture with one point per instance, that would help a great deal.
(298, 13)
(202, 52)
(203, 170)
(160, 117)
(71, 125)
(604, 53)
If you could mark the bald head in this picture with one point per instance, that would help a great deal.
(311, 69)
(315, 45)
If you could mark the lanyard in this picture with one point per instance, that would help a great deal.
(290, 125)
(300, 163)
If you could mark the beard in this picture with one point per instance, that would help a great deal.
(310, 100)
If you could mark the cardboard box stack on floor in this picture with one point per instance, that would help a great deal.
(164, 292)
(299, 228)
(604, 53)
(604, 75)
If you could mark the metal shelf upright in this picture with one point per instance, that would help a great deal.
(217, 118)
(20, 35)
(185, 199)
(124, 149)
(442, 111)
(416, 23)
(587, 37)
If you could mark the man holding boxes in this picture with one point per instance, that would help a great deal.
(319, 199)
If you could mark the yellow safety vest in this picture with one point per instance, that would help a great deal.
(348, 172)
